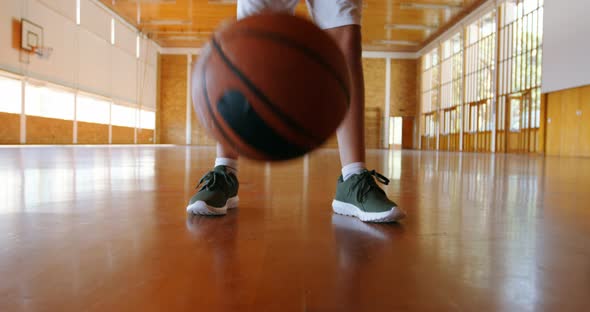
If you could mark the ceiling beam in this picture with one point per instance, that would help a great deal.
(410, 27)
(366, 54)
(392, 55)
(428, 6)
(460, 20)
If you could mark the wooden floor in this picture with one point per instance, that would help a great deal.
(105, 229)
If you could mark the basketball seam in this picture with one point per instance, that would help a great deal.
(210, 110)
(304, 50)
(220, 126)
(281, 115)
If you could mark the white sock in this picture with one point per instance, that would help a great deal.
(351, 169)
(229, 163)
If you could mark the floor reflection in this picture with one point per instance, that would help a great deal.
(45, 177)
(106, 228)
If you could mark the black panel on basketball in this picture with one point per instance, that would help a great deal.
(243, 119)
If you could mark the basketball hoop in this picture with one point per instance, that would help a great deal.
(43, 52)
(32, 41)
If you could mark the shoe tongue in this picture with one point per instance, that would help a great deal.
(220, 168)
(360, 174)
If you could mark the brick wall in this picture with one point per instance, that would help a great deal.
(145, 136)
(10, 128)
(172, 105)
(374, 72)
(198, 134)
(91, 133)
(403, 88)
(122, 135)
(41, 130)
(172, 115)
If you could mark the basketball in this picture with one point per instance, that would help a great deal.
(271, 86)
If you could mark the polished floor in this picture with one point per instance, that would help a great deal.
(105, 229)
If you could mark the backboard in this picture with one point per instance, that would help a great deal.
(31, 35)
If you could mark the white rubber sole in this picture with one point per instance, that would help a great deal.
(351, 210)
(201, 208)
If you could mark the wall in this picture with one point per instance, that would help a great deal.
(568, 122)
(10, 129)
(145, 136)
(122, 135)
(83, 59)
(172, 113)
(42, 130)
(198, 134)
(172, 110)
(92, 133)
(565, 51)
(374, 74)
(403, 88)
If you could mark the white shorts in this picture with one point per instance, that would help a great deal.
(325, 13)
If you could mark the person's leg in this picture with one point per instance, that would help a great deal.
(351, 139)
(227, 157)
(351, 133)
(357, 193)
(219, 187)
(341, 20)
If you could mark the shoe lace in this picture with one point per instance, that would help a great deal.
(212, 178)
(366, 183)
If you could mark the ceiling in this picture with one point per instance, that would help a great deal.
(387, 25)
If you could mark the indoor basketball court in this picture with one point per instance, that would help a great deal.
(476, 127)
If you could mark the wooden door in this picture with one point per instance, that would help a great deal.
(449, 138)
(554, 127)
(521, 130)
(477, 135)
(584, 114)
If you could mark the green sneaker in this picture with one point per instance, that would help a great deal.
(360, 196)
(219, 193)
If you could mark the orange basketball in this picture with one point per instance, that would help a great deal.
(271, 86)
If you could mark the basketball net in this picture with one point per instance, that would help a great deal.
(43, 52)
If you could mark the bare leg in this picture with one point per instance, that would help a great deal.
(351, 134)
(226, 152)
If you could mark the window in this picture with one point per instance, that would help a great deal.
(395, 130)
(50, 102)
(514, 115)
(137, 46)
(452, 69)
(147, 119)
(430, 125)
(521, 37)
(481, 59)
(77, 12)
(123, 116)
(112, 31)
(430, 82)
(11, 95)
(91, 109)
(473, 127)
